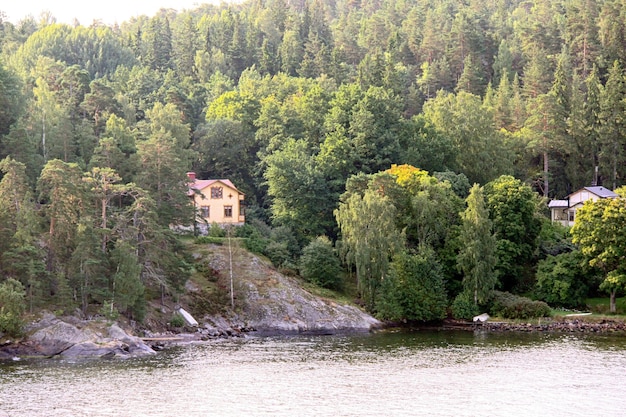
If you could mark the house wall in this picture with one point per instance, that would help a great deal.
(213, 206)
(581, 196)
(561, 215)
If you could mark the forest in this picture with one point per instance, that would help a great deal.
(409, 145)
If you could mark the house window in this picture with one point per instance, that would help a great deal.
(228, 211)
(216, 192)
(204, 211)
(571, 216)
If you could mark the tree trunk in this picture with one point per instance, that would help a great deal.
(612, 302)
(546, 170)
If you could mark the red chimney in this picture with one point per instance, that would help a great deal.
(191, 176)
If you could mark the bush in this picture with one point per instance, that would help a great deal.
(319, 264)
(216, 230)
(564, 280)
(12, 305)
(463, 306)
(510, 306)
(414, 289)
(109, 311)
(177, 320)
(205, 240)
(255, 244)
(277, 252)
(246, 231)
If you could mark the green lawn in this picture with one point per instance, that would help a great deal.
(601, 305)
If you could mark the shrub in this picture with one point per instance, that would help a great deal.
(319, 264)
(463, 306)
(255, 244)
(12, 305)
(109, 311)
(510, 306)
(205, 240)
(246, 231)
(277, 252)
(564, 280)
(414, 289)
(177, 320)
(216, 230)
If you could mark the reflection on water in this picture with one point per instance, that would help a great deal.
(430, 373)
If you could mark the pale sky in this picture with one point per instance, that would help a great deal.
(108, 11)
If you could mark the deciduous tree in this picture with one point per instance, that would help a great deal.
(477, 258)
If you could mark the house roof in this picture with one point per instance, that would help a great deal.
(601, 192)
(558, 204)
(200, 185)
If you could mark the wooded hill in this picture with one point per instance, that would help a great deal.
(289, 100)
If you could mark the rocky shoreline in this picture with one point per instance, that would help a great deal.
(563, 326)
(71, 338)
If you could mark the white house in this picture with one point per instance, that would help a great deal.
(564, 211)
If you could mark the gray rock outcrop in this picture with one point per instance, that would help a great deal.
(272, 303)
(54, 337)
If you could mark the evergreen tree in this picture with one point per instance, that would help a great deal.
(612, 128)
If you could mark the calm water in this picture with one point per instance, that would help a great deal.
(398, 374)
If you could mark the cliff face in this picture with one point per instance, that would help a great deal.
(268, 302)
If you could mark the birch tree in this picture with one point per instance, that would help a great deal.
(477, 259)
(369, 238)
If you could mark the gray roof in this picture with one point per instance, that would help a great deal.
(601, 192)
(558, 204)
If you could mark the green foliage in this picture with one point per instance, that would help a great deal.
(369, 238)
(277, 252)
(564, 280)
(320, 265)
(11, 100)
(109, 311)
(464, 307)
(554, 238)
(289, 100)
(459, 182)
(177, 321)
(301, 198)
(599, 231)
(128, 290)
(216, 230)
(481, 154)
(414, 290)
(477, 258)
(209, 240)
(514, 210)
(12, 306)
(509, 306)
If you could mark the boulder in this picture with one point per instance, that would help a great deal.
(55, 337)
(58, 337)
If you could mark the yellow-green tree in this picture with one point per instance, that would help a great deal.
(600, 231)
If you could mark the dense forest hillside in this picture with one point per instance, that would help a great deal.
(311, 108)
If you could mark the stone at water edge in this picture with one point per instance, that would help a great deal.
(481, 318)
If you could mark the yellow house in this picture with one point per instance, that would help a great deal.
(216, 201)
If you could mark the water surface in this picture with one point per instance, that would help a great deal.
(439, 373)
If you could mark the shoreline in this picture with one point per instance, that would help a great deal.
(571, 324)
(23, 348)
